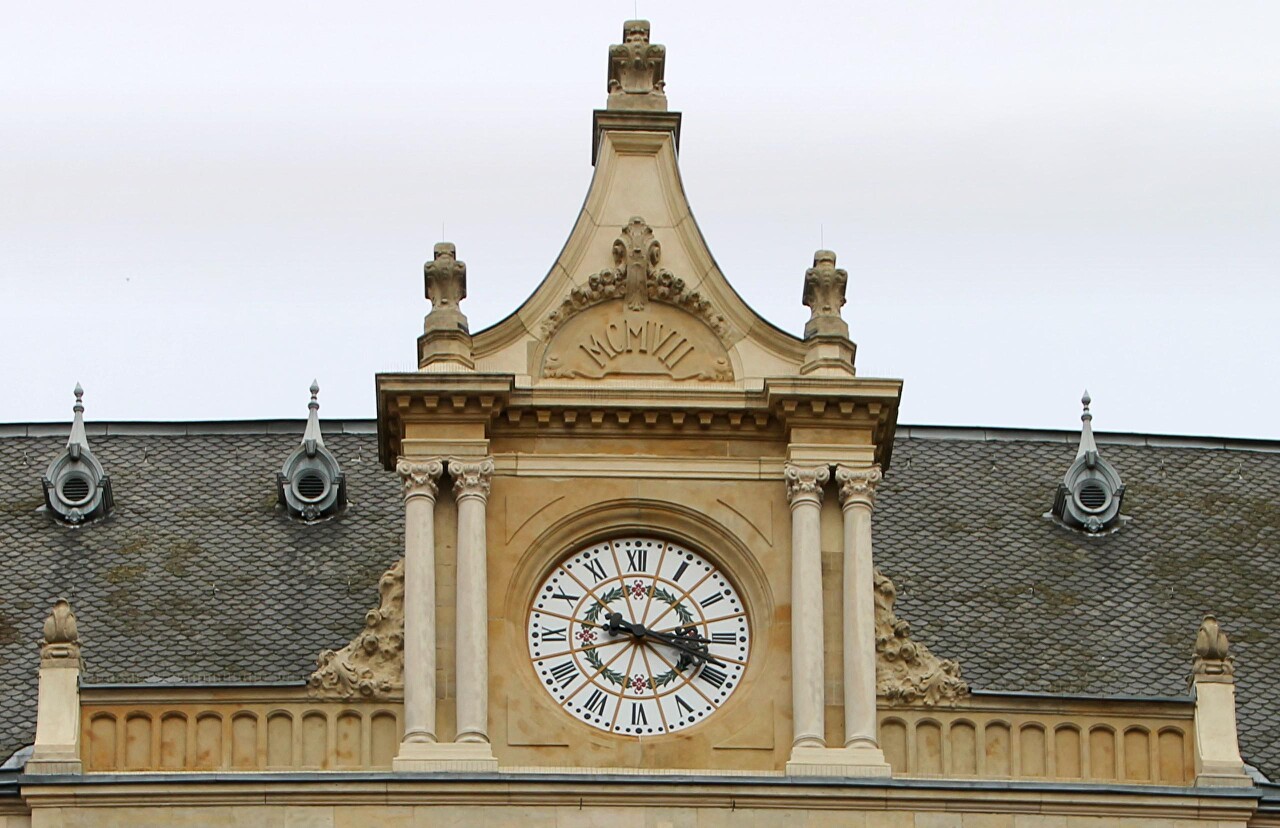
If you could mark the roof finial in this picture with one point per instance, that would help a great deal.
(1088, 448)
(636, 67)
(1085, 400)
(78, 441)
(311, 438)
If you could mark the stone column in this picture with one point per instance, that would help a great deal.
(418, 481)
(804, 493)
(57, 747)
(471, 488)
(857, 498)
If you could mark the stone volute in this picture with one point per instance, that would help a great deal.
(828, 348)
(445, 344)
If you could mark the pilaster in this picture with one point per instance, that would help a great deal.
(57, 747)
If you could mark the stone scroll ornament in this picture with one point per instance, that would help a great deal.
(372, 665)
(905, 670)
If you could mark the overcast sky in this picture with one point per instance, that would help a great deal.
(204, 206)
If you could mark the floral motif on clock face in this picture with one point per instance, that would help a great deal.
(638, 636)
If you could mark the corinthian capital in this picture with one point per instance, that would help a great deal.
(471, 479)
(418, 477)
(858, 485)
(805, 482)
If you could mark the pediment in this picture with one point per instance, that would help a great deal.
(635, 269)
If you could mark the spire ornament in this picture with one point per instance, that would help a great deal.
(61, 636)
(636, 67)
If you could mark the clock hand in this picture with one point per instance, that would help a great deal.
(698, 654)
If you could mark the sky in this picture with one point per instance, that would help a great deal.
(205, 206)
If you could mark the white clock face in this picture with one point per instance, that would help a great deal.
(638, 636)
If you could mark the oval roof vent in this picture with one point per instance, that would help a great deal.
(1089, 497)
(311, 485)
(76, 487)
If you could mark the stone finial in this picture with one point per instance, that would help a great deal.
(445, 344)
(824, 288)
(1212, 651)
(1091, 492)
(61, 637)
(636, 68)
(446, 285)
(828, 349)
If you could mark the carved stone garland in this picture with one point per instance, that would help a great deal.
(905, 670)
(637, 277)
(372, 665)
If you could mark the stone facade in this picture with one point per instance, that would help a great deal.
(634, 393)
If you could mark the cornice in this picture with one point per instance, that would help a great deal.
(623, 788)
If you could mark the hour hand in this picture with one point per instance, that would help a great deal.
(692, 648)
(615, 624)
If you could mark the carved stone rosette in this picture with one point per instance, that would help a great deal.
(372, 665)
(471, 479)
(858, 486)
(418, 478)
(805, 482)
(905, 670)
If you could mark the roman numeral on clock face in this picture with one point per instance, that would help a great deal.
(637, 560)
(595, 704)
(549, 634)
(680, 571)
(683, 705)
(711, 599)
(564, 673)
(571, 600)
(716, 638)
(596, 569)
(638, 716)
(712, 676)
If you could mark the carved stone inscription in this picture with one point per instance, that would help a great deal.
(658, 341)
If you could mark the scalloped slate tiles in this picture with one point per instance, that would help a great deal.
(198, 575)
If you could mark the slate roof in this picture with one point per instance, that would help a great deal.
(198, 576)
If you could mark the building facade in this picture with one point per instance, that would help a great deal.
(634, 556)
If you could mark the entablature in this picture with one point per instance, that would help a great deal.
(821, 414)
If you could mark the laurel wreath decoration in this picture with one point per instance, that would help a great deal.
(597, 607)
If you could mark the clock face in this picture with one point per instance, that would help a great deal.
(638, 636)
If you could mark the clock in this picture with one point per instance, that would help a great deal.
(638, 636)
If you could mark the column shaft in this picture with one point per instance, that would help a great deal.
(471, 487)
(804, 491)
(419, 480)
(857, 496)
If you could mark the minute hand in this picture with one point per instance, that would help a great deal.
(685, 647)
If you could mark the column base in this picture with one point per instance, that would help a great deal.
(851, 761)
(1222, 775)
(70, 765)
(445, 756)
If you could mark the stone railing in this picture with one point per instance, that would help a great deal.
(235, 728)
(990, 736)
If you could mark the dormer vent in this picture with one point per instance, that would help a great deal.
(76, 487)
(311, 485)
(1090, 494)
